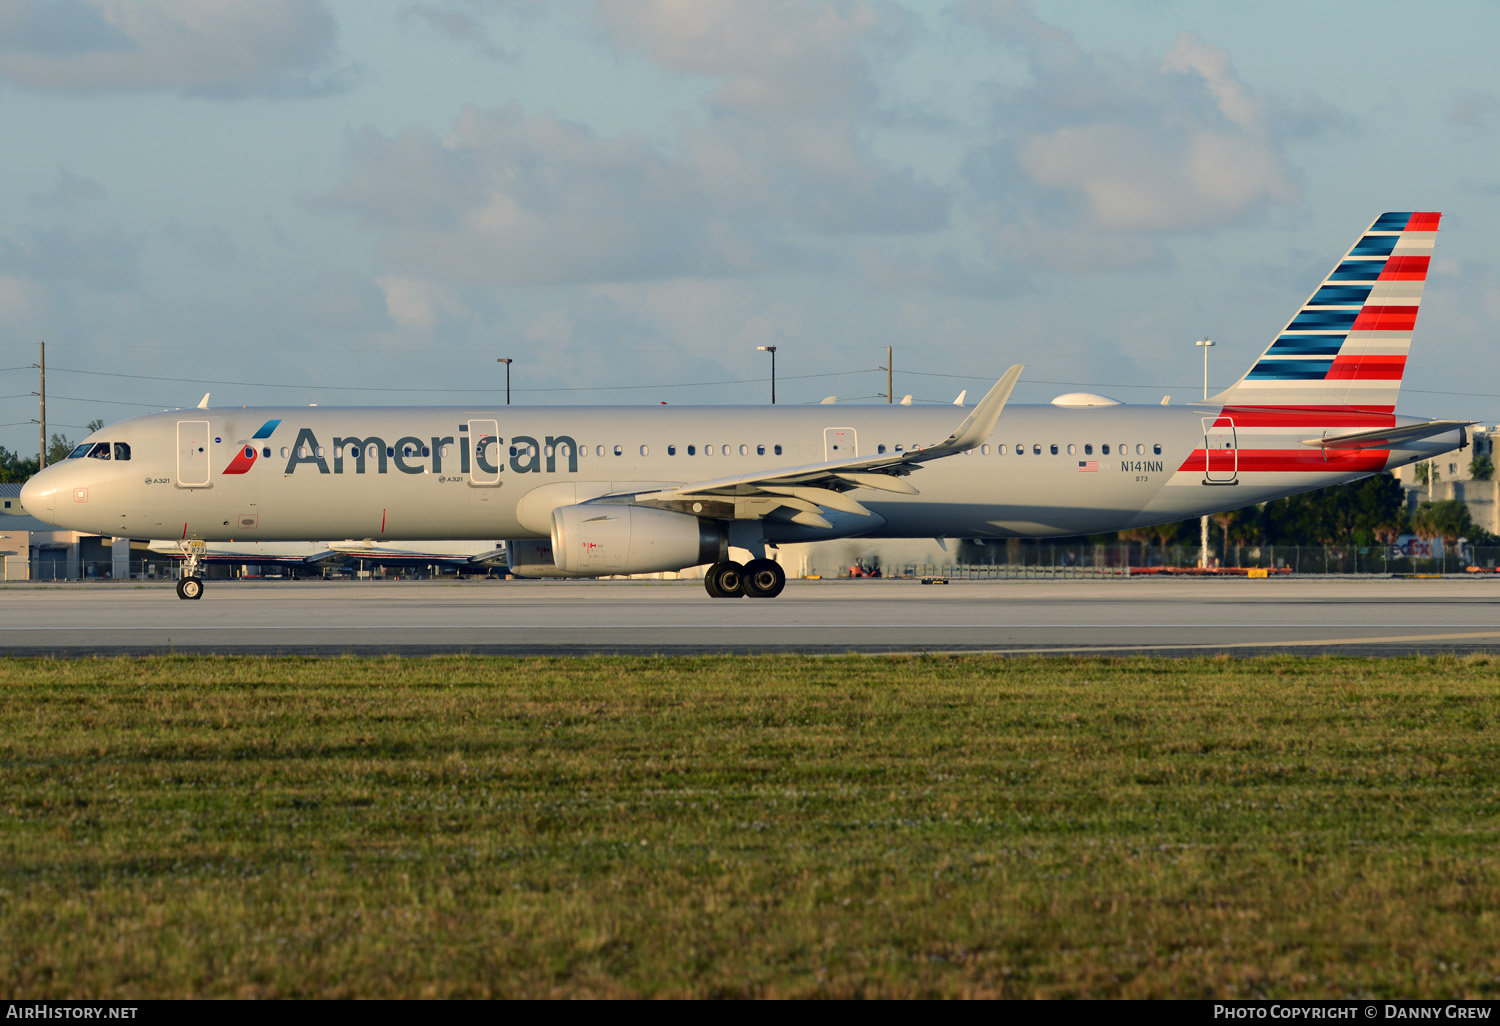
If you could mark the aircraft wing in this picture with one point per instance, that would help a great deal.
(1386, 438)
(806, 488)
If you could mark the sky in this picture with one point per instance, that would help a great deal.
(309, 201)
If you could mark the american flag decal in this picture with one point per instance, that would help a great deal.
(1088, 466)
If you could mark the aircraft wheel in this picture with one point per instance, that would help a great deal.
(724, 580)
(763, 578)
(190, 588)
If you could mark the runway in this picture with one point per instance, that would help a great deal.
(1114, 617)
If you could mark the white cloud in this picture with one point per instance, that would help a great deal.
(416, 304)
(226, 49)
(1107, 156)
(772, 172)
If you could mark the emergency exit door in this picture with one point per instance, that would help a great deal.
(192, 454)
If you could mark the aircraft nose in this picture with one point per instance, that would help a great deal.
(37, 498)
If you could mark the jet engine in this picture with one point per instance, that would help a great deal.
(593, 540)
(532, 558)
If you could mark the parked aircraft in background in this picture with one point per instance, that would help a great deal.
(468, 556)
(594, 491)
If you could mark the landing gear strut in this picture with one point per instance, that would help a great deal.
(759, 578)
(190, 585)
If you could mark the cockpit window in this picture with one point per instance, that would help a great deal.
(81, 451)
(100, 451)
(122, 451)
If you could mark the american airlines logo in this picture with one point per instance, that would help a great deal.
(245, 458)
(412, 455)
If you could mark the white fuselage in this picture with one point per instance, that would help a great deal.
(297, 473)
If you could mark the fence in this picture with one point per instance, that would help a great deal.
(1037, 560)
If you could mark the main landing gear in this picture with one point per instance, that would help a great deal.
(759, 578)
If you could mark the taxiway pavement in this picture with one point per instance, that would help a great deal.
(1359, 615)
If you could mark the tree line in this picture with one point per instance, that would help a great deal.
(15, 469)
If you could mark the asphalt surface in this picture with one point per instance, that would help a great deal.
(1367, 616)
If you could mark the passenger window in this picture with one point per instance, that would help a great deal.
(1036, 450)
(984, 450)
(619, 450)
(1088, 448)
(249, 452)
(302, 452)
(285, 452)
(600, 451)
(1054, 448)
(1140, 450)
(320, 452)
(122, 451)
(550, 451)
(1000, 449)
(726, 450)
(1124, 448)
(645, 451)
(375, 450)
(760, 450)
(744, 450)
(1072, 449)
(442, 450)
(692, 450)
(671, 450)
(1156, 449)
(266, 452)
(1104, 449)
(778, 450)
(390, 451)
(900, 449)
(708, 450)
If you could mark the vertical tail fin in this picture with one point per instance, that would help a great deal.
(1347, 346)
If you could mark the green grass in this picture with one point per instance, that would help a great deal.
(770, 826)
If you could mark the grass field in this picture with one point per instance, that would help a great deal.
(768, 826)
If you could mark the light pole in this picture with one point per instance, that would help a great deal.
(1205, 344)
(506, 360)
(772, 351)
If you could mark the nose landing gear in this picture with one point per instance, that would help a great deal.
(190, 585)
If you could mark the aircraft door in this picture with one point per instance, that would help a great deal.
(1221, 451)
(485, 456)
(839, 443)
(192, 454)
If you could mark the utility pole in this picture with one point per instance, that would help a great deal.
(887, 368)
(1204, 344)
(772, 351)
(506, 360)
(41, 459)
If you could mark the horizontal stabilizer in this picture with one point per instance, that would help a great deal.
(1386, 438)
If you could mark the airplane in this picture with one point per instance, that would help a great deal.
(602, 491)
(463, 556)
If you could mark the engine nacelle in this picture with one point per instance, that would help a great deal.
(593, 540)
(531, 558)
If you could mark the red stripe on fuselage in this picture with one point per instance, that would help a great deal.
(1307, 416)
(1289, 461)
